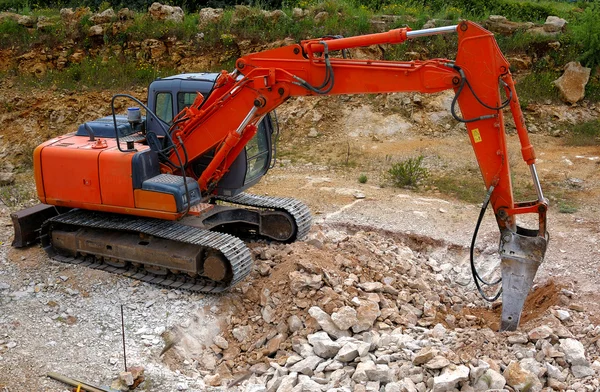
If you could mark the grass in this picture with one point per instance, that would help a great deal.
(17, 195)
(469, 189)
(584, 134)
(567, 208)
(537, 87)
(98, 73)
(407, 173)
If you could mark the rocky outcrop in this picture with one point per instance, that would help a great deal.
(571, 84)
(27, 21)
(208, 16)
(499, 24)
(71, 17)
(159, 11)
(105, 16)
(554, 24)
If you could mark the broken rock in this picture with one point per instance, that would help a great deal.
(424, 355)
(541, 332)
(325, 322)
(242, 333)
(307, 365)
(348, 352)
(450, 377)
(491, 379)
(367, 313)
(345, 317)
(574, 352)
(300, 281)
(323, 346)
(572, 82)
(520, 379)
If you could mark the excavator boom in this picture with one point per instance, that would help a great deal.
(479, 75)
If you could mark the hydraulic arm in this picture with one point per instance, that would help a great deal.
(479, 75)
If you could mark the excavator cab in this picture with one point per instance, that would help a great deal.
(169, 96)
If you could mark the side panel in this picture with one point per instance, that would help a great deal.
(70, 172)
(37, 166)
(115, 178)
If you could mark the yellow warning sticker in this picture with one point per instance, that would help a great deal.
(476, 135)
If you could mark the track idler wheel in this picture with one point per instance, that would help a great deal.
(216, 267)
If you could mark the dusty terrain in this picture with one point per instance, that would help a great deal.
(55, 317)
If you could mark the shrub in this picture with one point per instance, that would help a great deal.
(13, 34)
(362, 178)
(587, 33)
(407, 173)
(566, 208)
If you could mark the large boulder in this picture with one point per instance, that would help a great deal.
(158, 11)
(274, 16)
(96, 31)
(554, 24)
(71, 17)
(105, 16)
(125, 14)
(27, 21)
(208, 16)
(572, 82)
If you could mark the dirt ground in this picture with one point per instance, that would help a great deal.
(325, 145)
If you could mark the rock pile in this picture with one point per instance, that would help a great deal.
(363, 313)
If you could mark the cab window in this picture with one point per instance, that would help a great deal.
(257, 151)
(164, 107)
(185, 99)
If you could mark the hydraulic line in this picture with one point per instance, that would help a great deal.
(329, 77)
(464, 81)
(476, 277)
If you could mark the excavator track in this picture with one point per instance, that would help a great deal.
(232, 248)
(297, 209)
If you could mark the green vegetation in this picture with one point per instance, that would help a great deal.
(566, 208)
(16, 195)
(587, 33)
(584, 134)
(362, 178)
(537, 87)
(469, 189)
(344, 17)
(98, 73)
(407, 173)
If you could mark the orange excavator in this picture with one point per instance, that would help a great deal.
(161, 197)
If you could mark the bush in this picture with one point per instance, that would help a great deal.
(13, 34)
(566, 208)
(362, 178)
(587, 33)
(407, 173)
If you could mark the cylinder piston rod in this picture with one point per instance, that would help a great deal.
(433, 31)
(536, 183)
